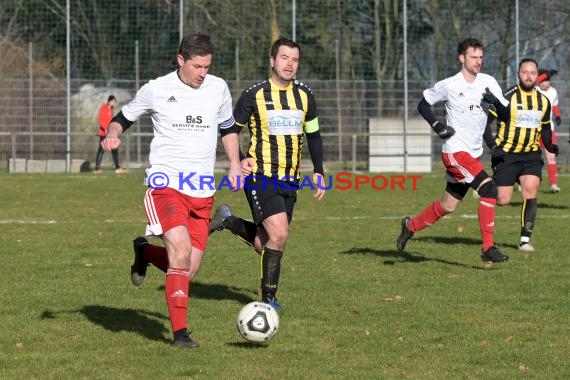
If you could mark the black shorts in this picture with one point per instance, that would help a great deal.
(508, 169)
(268, 197)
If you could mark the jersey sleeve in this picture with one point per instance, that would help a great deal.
(225, 117)
(311, 117)
(141, 104)
(554, 100)
(437, 93)
(244, 108)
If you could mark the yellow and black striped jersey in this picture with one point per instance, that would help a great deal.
(526, 116)
(277, 118)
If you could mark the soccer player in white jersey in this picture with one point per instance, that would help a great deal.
(544, 86)
(467, 96)
(188, 108)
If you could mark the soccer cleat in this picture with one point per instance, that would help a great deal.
(222, 213)
(554, 188)
(273, 303)
(526, 247)
(494, 255)
(183, 339)
(98, 171)
(121, 170)
(138, 269)
(405, 235)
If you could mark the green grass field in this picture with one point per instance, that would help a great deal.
(353, 307)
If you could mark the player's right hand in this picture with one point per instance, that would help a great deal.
(552, 148)
(110, 143)
(443, 131)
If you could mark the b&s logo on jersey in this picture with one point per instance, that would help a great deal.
(192, 124)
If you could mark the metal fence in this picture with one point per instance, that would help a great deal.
(134, 151)
(390, 57)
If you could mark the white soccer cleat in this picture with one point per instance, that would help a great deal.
(554, 188)
(527, 247)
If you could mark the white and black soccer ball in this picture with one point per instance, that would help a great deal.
(257, 322)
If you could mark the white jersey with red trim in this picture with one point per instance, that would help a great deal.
(464, 111)
(186, 122)
(552, 95)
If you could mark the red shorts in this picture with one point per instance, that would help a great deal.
(167, 208)
(461, 167)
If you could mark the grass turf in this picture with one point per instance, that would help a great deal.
(353, 307)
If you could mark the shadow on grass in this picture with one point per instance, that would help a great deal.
(247, 345)
(394, 256)
(216, 292)
(540, 205)
(448, 240)
(117, 320)
(460, 240)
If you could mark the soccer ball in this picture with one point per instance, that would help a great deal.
(257, 322)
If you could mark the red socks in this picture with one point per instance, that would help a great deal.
(486, 213)
(429, 216)
(176, 290)
(157, 256)
(552, 171)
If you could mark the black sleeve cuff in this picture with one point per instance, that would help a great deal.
(424, 108)
(316, 150)
(121, 119)
(226, 131)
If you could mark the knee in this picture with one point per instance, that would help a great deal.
(503, 199)
(179, 257)
(279, 238)
(449, 207)
(488, 190)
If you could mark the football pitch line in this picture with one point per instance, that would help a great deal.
(329, 218)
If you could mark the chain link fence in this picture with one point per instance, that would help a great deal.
(362, 59)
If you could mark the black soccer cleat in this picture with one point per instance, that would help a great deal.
(405, 235)
(138, 269)
(182, 339)
(494, 255)
(223, 212)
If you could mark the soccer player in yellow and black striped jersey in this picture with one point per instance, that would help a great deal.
(516, 154)
(279, 112)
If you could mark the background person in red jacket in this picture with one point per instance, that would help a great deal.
(104, 118)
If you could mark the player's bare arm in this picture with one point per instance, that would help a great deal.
(230, 141)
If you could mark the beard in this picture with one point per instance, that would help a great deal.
(525, 87)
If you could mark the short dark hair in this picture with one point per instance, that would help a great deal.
(527, 60)
(468, 43)
(284, 42)
(195, 44)
(111, 97)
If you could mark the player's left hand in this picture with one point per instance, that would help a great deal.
(319, 182)
(552, 148)
(558, 120)
(488, 96)
(246, 166)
